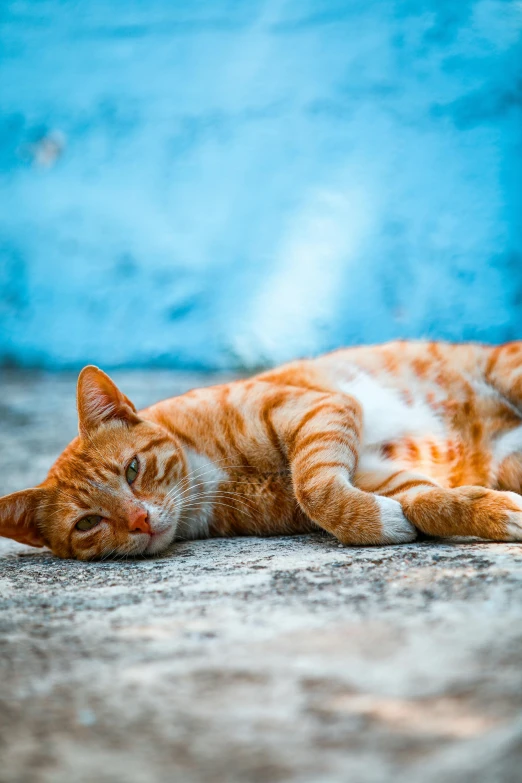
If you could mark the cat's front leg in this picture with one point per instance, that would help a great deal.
(322, 433)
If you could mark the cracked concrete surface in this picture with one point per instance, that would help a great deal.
(263, 660)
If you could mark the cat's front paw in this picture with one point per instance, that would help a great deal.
(514, 517)
(395, 527)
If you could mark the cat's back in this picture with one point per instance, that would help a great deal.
(412, 387)
(415, 369)
(411, 364)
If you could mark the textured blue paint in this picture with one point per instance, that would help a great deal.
(211, 183)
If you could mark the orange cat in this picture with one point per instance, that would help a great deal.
(370, 444)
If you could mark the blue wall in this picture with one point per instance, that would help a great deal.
(213, 183)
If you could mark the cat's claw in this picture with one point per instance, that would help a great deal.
(395, 527)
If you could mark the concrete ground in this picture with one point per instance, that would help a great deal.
(283, 659)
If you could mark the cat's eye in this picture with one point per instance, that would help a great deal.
(132, 470)
(87, 523)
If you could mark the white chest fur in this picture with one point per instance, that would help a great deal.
(204, 479)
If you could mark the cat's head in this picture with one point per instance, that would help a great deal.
(114, 490)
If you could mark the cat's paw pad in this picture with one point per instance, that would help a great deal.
(395, 527)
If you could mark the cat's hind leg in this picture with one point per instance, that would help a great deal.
(439, 511)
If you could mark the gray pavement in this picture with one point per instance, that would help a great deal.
(263, 660)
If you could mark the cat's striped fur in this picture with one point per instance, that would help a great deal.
(370, 444)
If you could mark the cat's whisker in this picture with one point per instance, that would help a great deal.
(184, 481)
(201, 505)
(226, 495)
(215, 494)
(202, 483)
(182, 490)
(186, 491)
(219, 463)
(198, 474)
(209, 500)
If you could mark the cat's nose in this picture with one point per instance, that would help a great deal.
(139, 521)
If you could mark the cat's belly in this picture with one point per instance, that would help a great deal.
(507, 460)
(414, 435)
(389, 416)
(403, 429)
(439, 459)
(508, 444)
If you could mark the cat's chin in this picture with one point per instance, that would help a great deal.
(160, 541)
(163, 529)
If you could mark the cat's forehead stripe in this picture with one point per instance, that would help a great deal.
(107, 466)
(154, 443)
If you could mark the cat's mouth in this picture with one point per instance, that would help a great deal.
(158, 541)
(162, 533)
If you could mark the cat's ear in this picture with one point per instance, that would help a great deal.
(18, 516)
(99, 401)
